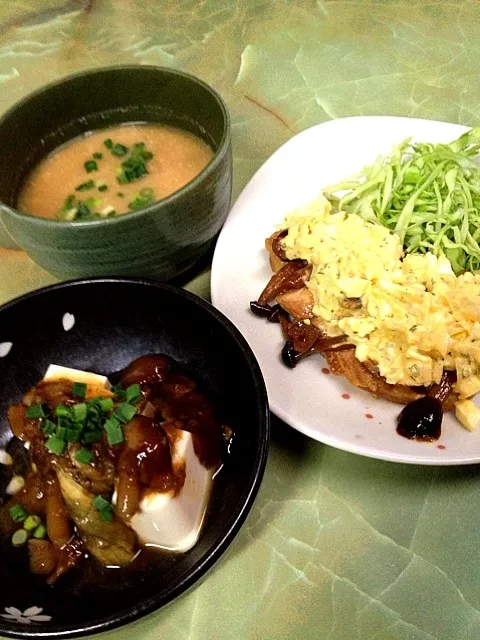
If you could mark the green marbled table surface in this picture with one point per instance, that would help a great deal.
(337, 546)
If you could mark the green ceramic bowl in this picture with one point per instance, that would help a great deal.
(162, 240)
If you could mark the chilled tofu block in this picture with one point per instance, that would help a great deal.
(174, 523)
(97, 385)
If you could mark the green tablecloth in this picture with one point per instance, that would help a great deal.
(337, 547)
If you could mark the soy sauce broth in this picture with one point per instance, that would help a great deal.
(92, 173)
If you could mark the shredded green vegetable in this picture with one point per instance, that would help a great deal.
(429, 194)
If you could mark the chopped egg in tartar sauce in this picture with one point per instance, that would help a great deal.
(410, 315)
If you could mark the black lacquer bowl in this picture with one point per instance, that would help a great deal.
(101, 325)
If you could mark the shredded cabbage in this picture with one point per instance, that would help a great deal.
(428, 194)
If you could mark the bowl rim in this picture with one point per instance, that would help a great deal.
(153, 208)
(242, 509)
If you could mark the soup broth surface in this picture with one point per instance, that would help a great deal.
(113, 171)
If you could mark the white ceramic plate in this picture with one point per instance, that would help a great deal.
(306, 398)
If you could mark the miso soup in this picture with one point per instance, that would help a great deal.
(113, 171)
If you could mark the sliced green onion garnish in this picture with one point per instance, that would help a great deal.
(61, 433)
(35, 411)
(31, 523)
(125, 412)
(19, 538)
(85, 186)
(114, 432)
(84, 456)
(69, 215)
(120, 194)
(112, 423)
(106, 514)
(64, 422)
(92, 436)
(103, 187)
(133, 393)
(104, 508)
(40, 532)
(118, 391)
(99, 502)
(49, 428)
(90, 165)
(83, 212)
(135, 205)
(93, 203)
(69, 209)
(17, 512)
(97, 155)
(69, 202)
(93, 420)
(73, 434)
(134, 169)
(140, 151)
(79, 412)
(79, 389)
(108, 143)
(115, 437)
(119, 150)
(142, 199)
(55, 445)
(106, 405)
(62, 411)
